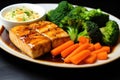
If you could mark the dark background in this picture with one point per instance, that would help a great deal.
(110, 6)
(12, 68)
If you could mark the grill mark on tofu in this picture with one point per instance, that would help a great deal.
(33, 38)
(55, 33)
(43, 26)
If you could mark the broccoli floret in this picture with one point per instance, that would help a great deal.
(97, 16)
(73, 18)
(59, 12)
(72, 22)
(91, 30)
(78, 21)
(110, 33)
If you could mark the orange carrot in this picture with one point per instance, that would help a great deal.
(76, 59)
(68, 50)
(102, 56)
(91, 59)
(97, 45)
(104, 48)
(76, 51)
(91, 48)
(56, 51)
(83, 39)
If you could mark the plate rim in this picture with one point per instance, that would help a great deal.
(55, 64)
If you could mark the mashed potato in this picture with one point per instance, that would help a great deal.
(21, 14)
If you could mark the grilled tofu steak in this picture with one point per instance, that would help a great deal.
(38, 38)
(29, 41)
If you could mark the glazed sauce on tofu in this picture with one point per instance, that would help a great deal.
(5, 38)
(46, 57)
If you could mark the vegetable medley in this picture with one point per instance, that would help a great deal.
(79, 21)
(82, 52)
(92, 33)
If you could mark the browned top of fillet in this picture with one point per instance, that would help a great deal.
(43, 26)
(29, 36)
(49, 29)
(39, 32)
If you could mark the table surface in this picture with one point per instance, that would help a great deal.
(13, 68)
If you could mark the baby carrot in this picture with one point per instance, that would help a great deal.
(76, 51)
(56, 51)
(76, 59)
(102, 56)
(91, 48)
(91, 59)
(83, 39)
(104, 48)
(97, 46)
(68, 50)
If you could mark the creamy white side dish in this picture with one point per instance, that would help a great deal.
(21, 14)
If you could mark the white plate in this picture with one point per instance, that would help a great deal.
(112, 56)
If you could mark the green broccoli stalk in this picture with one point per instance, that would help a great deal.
(84, 33)
(73, 32)
(59, 12)
(110, 33)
